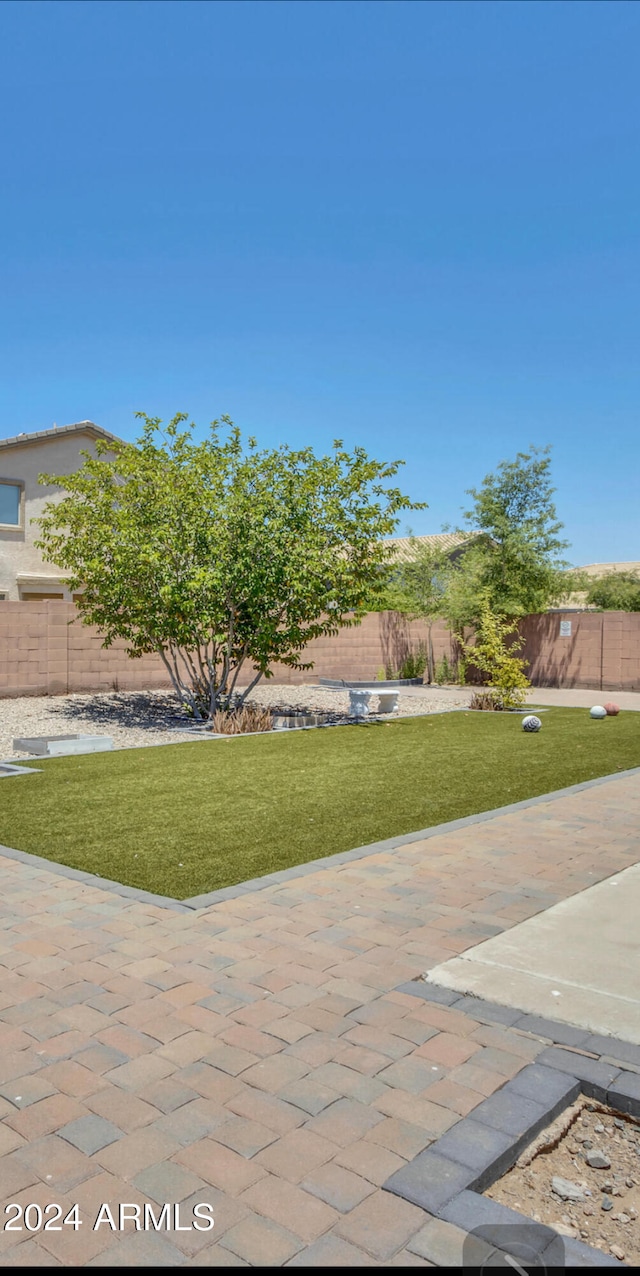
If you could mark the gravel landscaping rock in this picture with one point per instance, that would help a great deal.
(142, 718)
(598, 1160)
(566, 1190)
(131, 719)
(411, 700)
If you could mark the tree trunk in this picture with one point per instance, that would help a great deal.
(431, 668)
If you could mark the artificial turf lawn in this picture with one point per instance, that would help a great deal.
(182, 819)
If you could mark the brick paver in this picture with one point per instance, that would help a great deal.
(258, 1054)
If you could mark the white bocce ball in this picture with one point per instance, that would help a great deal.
(598, 711)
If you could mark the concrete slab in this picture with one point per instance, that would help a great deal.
(563, 697)
(581, 698)
(57, 746)
(577, 962)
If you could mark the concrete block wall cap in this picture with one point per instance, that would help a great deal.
(389, 684)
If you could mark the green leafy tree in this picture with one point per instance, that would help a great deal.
(516, 564)
(615, 591)
(495, 654)
(419, 589)
(220, 558)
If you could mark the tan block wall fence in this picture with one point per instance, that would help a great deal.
(603, 651)
(41, 653)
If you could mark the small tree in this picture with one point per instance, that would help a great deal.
(615, 591)
(497, 658)
(220, 558)
(517, 565)
(419, 589)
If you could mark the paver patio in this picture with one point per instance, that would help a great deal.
(256, 1054)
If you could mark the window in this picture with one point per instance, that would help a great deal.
(10, 503)
(37, 597)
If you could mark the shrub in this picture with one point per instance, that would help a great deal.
(242, 721)
(444, 672)
(615, 591)
(412, 666)
(496, 657)
(485, 700)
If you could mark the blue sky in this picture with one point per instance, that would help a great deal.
(414, 226)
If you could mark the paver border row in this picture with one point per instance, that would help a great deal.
(207, 900)
(448, 1178)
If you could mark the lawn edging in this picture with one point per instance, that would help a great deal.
(197, 902)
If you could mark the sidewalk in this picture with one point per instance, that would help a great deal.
(255, 1055)
(577, 962)
(565, 697)
(578, 698)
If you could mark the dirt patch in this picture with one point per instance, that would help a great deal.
(581, 1176)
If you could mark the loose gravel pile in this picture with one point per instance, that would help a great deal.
(137, 719)
(582, 1177)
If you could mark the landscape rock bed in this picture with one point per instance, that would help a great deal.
(312, 699)
(142, 718)
(581, 1176)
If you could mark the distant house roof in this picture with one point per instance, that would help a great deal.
(404, 546)
(80, 427)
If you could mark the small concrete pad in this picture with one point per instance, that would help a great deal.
(577, 962)
(57, 746)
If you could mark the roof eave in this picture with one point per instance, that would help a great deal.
(88, 428)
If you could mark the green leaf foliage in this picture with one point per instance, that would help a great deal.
(517, 564)
(419, 587)
(511, 563)
(615, 591)
(220, 557)
(495, 654)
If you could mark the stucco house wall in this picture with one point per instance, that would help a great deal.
(24, 575)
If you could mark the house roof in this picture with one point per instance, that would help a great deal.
(80, 427)
(403, 547)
